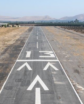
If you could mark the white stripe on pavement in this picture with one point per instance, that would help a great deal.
(36, 60)
(37, 96)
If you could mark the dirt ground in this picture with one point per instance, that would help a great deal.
(9, 35)
(12, 40)
(74, 28)
(69, 47)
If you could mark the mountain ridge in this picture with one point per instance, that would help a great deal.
(26, 18)
(80, 17)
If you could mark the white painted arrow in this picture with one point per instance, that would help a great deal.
(37, 79)
(49, 64)
(25, 64)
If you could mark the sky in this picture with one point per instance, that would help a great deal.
(52, 8)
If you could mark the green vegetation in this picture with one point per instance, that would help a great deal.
(46, 23)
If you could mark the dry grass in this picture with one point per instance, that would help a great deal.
(4, 30)
(73, 42)
(9, 35)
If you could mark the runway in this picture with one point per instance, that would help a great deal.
(38, 76)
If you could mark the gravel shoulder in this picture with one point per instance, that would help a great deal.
(69, 48)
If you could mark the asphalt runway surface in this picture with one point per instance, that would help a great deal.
(38, 76)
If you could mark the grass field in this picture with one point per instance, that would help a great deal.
(9, 35)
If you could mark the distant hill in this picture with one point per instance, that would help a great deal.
(26, 18)
(79, 17)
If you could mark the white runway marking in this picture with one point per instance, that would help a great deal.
(37, 79)
(37, 60)
(49, 64)
(37, 96)
(37, 37)
(37, 33)
(28, 54)
(25, 64)
(37, 44)
(49, 53)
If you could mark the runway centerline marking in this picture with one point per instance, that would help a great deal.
(37, 96)
(37, 37)
(37, 33)
(37, 44)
